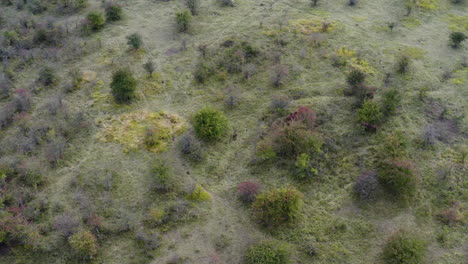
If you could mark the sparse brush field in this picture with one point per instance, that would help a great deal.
(220, 131)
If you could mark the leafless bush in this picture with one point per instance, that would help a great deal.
(55, 150)
(279, 103)
(5, 86)
(54, 104)
(191, 148)
(249, 70)
(6, 114)
(279, 75)
(22, 100)
(150, 240)
(231, 101)
(316, 39)
(66, 224)
(226, 2)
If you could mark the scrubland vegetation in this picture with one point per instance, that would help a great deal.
(255, 132)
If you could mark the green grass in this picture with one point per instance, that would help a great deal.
(341, 229)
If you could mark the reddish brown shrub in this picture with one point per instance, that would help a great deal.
(304, 115)
(247, 191)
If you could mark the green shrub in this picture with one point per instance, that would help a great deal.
(84, 243)
(303, 169)
(457, 38)
(398, 178)
(162, 176)
(369, 114)
(210, 124)
(96, 20)
(134, 41)
(199, 194)
(149, 67)
(390, 101)
(123, 86)
(202, 72)
(291, 139)
(278, 206)
(403, 248)
(403, 64)
(114, 12)
(193, 6)
(47, 76)
(355, 77)
(394, 145)
(267, 253)
(183, 19)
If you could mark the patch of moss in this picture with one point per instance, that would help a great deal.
(411, 22)
(413, 52)
(313, 25)
(362, 65)
(458, 23)
(199, 194)
(130, 130)
(427, 4)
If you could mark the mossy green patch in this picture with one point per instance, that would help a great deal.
(199, 194)
(458, 23)
(411, 22)
(311, 25)
(130, 130)
(413, 52)
(426, 4)
(350, 59)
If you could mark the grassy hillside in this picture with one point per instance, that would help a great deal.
(84, 178)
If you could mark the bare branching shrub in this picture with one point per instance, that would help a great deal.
(249, 70)
(66, 224)
(54, 105)
(55, 150)
(22, 100)
(150, 240)
(191, 148)
(226, 2)
(279, 75)
(279, 104)
(366, 186)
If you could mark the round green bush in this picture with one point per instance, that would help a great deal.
(355, 77)
(210, 124)
(123, 86)
(370, 113)
(404, 249)
(134, 41)
(113, 13)
(267, 253)
(84, 243)
(183, 19)
(457, 38)
(96, 20)
(398, 178)
(278, 206)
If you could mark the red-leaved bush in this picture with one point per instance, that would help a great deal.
(304, 115)
(247, 191)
